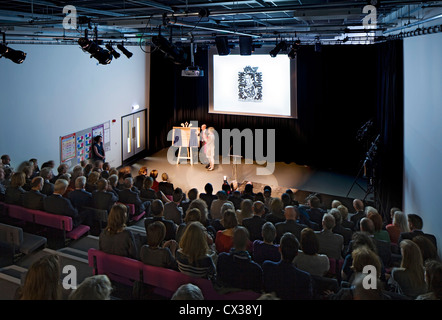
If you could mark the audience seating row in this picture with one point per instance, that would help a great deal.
(165, 281)
(41, 218)
(20, 243)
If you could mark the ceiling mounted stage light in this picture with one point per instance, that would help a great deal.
(172, 52)
(127, 53)
(280, 46)
(112, 51)
(102, 55)
(11, 54)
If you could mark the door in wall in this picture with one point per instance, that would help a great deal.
(133, 134)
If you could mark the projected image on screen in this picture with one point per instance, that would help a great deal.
(252, 85)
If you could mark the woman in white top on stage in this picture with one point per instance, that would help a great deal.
(210, 148)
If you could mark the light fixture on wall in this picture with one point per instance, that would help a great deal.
(294, 49)
(15, 56)
(126, 52)
(102, 55)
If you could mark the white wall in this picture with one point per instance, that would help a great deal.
(59, 90)
(423, 131)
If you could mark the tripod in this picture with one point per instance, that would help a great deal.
(368, 169)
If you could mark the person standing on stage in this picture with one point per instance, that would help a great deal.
(203, 139)
(210, 148)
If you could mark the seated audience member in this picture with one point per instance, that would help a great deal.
(128, 196)
(268, 196)
(14, 192)
(389, 218)
(215, 208)
(61, 170)
(346, 223)
(103, 199)
(154, 175)
(335, 204)
(139, 179)
(218, 224)
(88, 169)
(361, 257)
(359, 208)
(415, 224)
(428, 250)
(96, 287)
(112, 184)
(208, 196)
(192, 194)
(34, 198)
(36, 168)
(378, 233)
(157, 212)
(314, 210)
(165, 185)
(383, 248)
(290, 224)
(248, 192)
(77, 171)
(194, 255)
(157, 252)
(188, 291)
(48, 186)
(193, 214)
(266, 249)
(254, 224)
(399, 225)
(42, 280)
(105, 172)
(282, 277)
(236, 199)
(27, 170)
(57, 204)
(80, 198)
(338, 228)
(91, 183)
(115, 238)
(236, 269)
(292, 196)
(172, 209)
(202, 206)
(6, 164)
(286, 199)
(409, 278)
(224, 238)
(276, 213)
(308, 258)
(245, 211)
(146, 192)
(330, 244)
(433, 278)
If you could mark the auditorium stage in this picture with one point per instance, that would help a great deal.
(301, 179)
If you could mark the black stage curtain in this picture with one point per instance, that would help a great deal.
(388, 180)
(336, 97)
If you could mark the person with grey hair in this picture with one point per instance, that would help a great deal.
(48, 186)
(57, 204)
(266, 249)
(128, 196)
(330, 244)
(79, 197)
(33, 199)
(96, 287)
(339, 228)
(188, 291)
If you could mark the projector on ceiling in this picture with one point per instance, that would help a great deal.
(192, 72)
